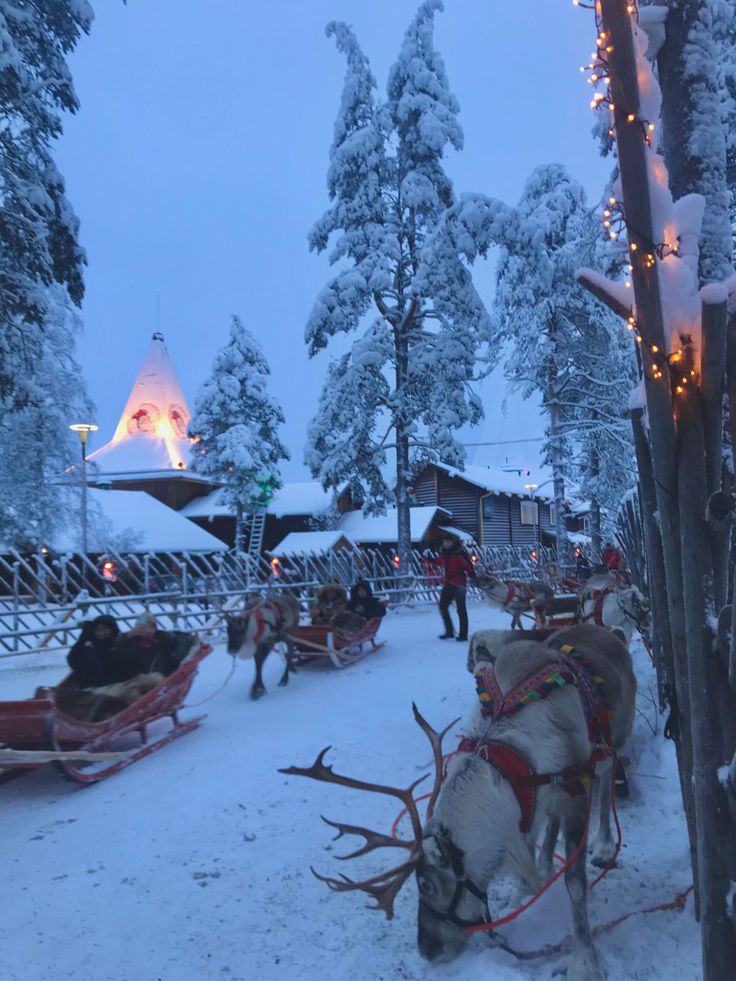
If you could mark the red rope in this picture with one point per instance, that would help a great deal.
(678, 904)
(494, 924)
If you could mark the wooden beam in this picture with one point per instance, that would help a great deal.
(600, 293)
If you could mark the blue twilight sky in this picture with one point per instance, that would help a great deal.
(197, 165)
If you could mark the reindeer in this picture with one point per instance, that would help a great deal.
(514, 596)
(255, 631)
(519, 772)
(619, 608)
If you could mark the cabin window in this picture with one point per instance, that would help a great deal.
(552, 514)
(529, 513)
(488, 508)
(586, 524)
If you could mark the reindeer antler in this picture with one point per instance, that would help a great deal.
(382, 888)
(435, 739)
(320, 771)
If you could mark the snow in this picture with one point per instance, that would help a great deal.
(714, 293)
(310, 542)
(146, 524)
(194, 863)
(372, 529)
(301, 497)
(502, 481)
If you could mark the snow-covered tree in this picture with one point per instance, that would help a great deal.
(404, 382)
(40, 263)
(544, 318)
(236, 424)
(37, 488)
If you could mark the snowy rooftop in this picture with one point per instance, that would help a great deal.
(142, 522)
(368, 529)
(304, 497)
(504, 482)
(305, 542)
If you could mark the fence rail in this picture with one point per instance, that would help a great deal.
(43, 599)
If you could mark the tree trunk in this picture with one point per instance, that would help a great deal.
(645, 278)
(403, 475)
(661, 636)
(596, 542)
(557, 463)
(712, 815)
(238, 528)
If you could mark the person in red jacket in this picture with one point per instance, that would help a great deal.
(611, 557)
(456, 569)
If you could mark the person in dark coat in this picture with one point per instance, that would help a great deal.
(147, 649)
(455, 569)
(364, 603)
(95, 659)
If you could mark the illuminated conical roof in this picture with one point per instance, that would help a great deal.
(152, 431)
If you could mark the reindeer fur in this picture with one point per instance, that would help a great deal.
(281, 617)
(476, 819)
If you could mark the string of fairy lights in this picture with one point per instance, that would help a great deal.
(640, 247)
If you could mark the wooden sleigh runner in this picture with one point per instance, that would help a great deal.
(312, 642)
(35, 731)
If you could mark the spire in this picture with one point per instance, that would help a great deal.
(152, 429)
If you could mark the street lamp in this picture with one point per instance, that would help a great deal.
(531, 488)
(84, 429)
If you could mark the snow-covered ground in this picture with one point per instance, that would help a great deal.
(193, 865)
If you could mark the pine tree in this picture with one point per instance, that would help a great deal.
(550, 325)
(236, 423)
(40, 265)
(404, 383)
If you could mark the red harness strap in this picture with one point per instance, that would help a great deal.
(514, 767)
(509, 761)
(261, 621)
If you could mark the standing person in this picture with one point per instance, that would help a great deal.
(611, 557)
(456, 569)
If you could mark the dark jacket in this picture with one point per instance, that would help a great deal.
(97, 662)
(142, 655)
(364, 603)
(455, 567)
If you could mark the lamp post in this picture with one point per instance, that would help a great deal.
(84, 429)
(531, 488)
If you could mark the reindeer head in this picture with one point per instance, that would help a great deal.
(636, 605)
(432, 856)
(240, 632)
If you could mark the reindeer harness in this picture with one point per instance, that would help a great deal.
(262, 622)
(569, 669)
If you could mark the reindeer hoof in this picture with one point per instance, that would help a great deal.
(601, 854)
(585, 966)
(257, 693)
(283, 683)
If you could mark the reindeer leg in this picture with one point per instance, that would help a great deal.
(603, 848)
(287, 667)
(258, 688)
(583, 964)
(547, 851)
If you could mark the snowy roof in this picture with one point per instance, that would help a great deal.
(301, 542)
(152, 431)
(305, 497)
(369, 529)
(141, 522)
(459, 533)
(510, 483)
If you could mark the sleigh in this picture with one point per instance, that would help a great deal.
(557, 611)
(313, 642)
(35, 731)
